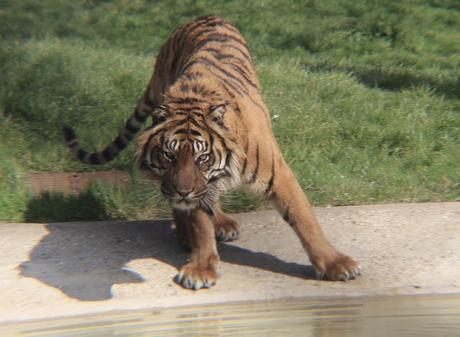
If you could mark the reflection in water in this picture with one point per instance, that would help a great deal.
(387, 316)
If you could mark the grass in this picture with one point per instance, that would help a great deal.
(364, 96)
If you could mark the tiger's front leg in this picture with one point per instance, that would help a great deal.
(297, 212)
(201, 271)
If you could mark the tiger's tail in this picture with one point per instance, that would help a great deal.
(131, 127)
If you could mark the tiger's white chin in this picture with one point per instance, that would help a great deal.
(184, 205)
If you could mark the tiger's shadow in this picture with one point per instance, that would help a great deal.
(84, 260)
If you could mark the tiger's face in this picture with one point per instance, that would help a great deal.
(188, 153)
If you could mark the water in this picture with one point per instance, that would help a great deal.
(417, 316)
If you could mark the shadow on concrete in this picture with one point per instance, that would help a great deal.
(54, 207)
(84, 260)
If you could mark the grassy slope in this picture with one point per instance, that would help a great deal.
(364, 95)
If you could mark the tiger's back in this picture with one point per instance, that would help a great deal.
(209, 46)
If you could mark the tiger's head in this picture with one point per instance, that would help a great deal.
(190, 152)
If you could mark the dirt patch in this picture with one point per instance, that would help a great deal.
(76, 182)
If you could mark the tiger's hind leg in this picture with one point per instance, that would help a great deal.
(225, 227)
(297, 212)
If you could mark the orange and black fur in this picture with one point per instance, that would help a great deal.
(211, 132)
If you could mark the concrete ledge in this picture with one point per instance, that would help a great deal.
(64, 269)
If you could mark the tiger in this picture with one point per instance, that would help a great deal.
(211, 132)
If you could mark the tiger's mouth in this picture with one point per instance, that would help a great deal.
(183, 201)
(185, 204)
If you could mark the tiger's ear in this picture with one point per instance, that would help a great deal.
(159, 114)
(216, 112)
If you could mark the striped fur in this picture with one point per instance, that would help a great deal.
(211, 132)
(132, 126)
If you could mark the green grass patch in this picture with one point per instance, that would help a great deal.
(364, 96)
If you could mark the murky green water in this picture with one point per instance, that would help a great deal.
(389, 316)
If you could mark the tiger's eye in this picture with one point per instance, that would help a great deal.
(203, 158)
(168, 156)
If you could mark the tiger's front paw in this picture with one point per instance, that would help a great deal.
(192, 276)
(338, 268)
(227, 230)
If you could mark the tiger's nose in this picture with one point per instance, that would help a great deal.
(184, 193)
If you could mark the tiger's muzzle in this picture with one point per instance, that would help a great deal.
(184, 184)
